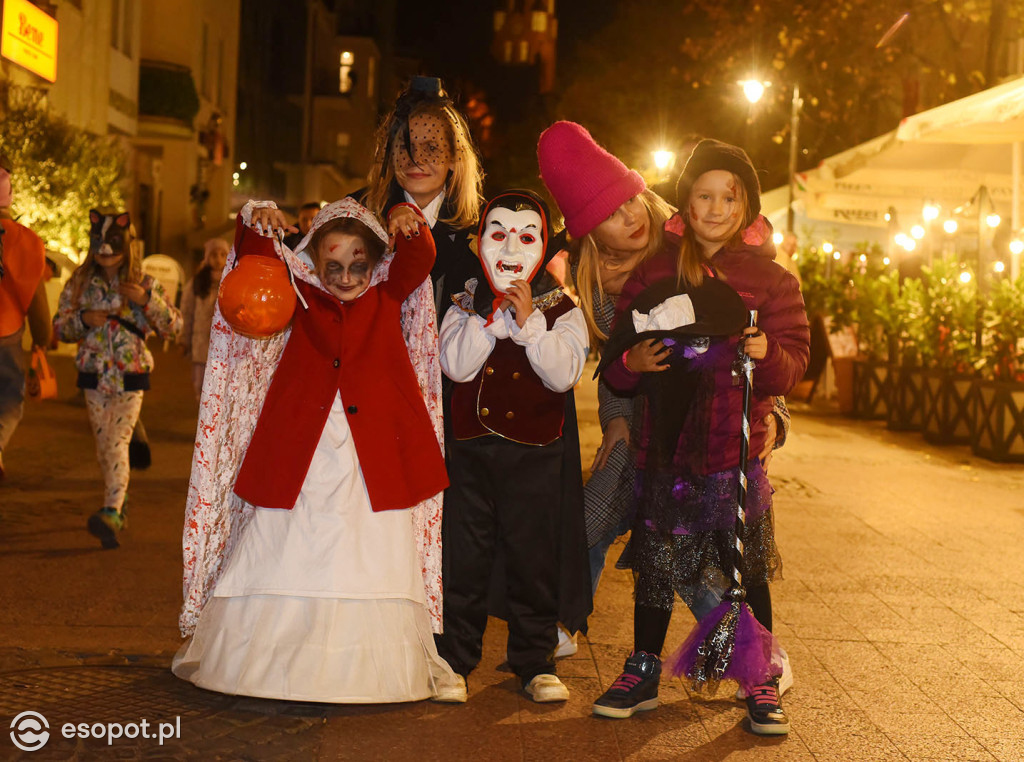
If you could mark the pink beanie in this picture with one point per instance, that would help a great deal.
(587, 182)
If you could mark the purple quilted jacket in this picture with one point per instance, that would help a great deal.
(765, 286)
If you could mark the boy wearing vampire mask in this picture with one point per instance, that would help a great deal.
(109, 308)
(515, 345)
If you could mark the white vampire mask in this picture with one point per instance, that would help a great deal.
(511, 246)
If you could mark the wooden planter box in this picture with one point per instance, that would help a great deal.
(906, 399)
(948, 415)
(998, 421)
(871, 389)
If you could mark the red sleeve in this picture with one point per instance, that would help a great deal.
(784, 322)
(414, 258)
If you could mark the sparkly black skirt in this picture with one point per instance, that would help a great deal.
(682, 539)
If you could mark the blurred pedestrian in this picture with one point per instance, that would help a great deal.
(109, 307)
(688, 453)
(323, 597)
(22, 294)
(197, 305)
(305, 220)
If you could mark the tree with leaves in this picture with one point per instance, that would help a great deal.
(662, 70)
(60, 171)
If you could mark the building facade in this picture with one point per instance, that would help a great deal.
(159, 75)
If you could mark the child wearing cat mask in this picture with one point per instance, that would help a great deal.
(109, 307)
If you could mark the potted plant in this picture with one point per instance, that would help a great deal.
(905, 320)
(998, 403)
(870, 289)
(949, 352)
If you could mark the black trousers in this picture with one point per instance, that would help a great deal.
(503, 502)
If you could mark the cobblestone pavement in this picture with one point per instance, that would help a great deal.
(901, 609)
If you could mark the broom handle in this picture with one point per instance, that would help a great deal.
(747, 366)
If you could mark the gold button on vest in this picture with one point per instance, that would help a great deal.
(510, 415)
(484, 411)
(489, 370)
(515, 376)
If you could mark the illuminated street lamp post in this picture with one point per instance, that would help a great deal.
(754, 90)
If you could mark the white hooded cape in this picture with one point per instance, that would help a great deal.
(238, 374)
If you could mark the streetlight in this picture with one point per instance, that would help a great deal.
(753, 90)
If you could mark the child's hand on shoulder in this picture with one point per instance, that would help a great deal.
(405, 220)
(268, 221)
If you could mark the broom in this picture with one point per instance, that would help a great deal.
(728, 643)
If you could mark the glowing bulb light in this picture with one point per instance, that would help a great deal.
(885, 261)
(863, 257)
(965, 277)
(949, 226)
(663, 159)
(243, 166)
(993, 220)
(999, 266)
(900, 239)
(777, 238)
(888, 217)
(827, 247)
(909, 244)
(930, 212)
(752, 89)
(1016, 246)
(836, 256)
(917, 231)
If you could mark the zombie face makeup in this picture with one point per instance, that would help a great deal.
(344, 265)
(628, 229)
(108, 238)
(715, 208)
(511, 246)
(422, 171)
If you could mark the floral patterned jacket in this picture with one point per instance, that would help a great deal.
(114, 357)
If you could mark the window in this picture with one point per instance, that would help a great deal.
(121, 25)
(204, 61)
(499, 20)
(539, 21)
(524, 51)
(347, 61)
(220, 73)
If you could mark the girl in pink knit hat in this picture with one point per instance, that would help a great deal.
(616, 224)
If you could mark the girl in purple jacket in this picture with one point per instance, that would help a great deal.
(687, 461)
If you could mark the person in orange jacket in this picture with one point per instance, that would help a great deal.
(22, 294)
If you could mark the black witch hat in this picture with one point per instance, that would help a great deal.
(718, 309)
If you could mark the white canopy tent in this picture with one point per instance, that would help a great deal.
(942, 156)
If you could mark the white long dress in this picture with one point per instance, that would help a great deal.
(324, 602)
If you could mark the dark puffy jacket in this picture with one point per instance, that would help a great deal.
(765, 286)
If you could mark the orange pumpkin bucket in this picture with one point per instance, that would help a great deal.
(256, 298)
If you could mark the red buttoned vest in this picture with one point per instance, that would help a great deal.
(508, 398)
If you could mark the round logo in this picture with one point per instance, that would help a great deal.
(30, 731)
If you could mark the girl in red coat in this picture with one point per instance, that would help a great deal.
(303, 580)
(688, 458)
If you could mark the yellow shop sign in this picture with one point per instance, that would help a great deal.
(29, 38)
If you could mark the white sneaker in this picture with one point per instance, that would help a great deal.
(785, 682)
(546, 688)
(452, 692)
(567, 645)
